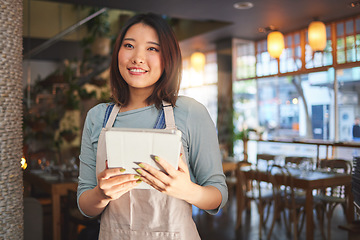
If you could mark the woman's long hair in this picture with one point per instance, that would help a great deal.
(167, 87)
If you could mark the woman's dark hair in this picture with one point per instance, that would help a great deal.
(167, 87)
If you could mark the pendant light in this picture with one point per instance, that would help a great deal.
(197, 61)
(317, 36)
(275, 44)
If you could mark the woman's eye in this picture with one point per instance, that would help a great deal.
(128, 45)
(153, 49)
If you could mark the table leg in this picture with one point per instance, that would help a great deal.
(309, 215)
(327, 151)
(350, 211)
(56, 215)
(317, 156)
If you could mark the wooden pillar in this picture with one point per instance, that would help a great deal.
(11, 183)
(225, 99)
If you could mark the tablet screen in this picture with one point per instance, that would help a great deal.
(126, 147)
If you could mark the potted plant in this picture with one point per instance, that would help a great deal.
(99, 29)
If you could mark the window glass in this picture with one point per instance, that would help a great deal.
(245, 115)
(340, 50)
(265, 65)
(299, 106)
(202, 85)
(349, 27)
(348, 101)
(245, 60)
(278, 107)
(207, 95)
(348, 109)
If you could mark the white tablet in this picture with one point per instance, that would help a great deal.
(125, 147)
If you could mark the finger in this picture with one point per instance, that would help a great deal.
(167, 166)
(120, 189)
(153, 185)
(153, 171)
(155, 177)
(111, 172)
(118, 181)
(106, 164)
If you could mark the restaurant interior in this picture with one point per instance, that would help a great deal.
(280, 80)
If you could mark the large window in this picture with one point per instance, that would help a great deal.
(304, 95)
(299, 106)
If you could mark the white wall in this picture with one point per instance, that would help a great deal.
(36, 69)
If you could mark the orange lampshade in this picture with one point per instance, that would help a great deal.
(317, 36)
(197, 60)
(275, 44)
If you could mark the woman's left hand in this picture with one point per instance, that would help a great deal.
(173, 182)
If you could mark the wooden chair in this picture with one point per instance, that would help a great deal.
(286, 201)
(330, 198)
(249, 189)
(296, 160)
(242, 202)
(229, 169)
(268, 159)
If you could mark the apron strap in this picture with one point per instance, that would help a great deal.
(169, 115)
(110, 118)
(109, 108)
(170, 123)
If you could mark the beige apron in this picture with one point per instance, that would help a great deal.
(142, 213)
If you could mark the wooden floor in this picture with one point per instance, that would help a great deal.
(222, 225)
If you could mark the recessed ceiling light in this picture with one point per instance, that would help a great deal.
(243, 5)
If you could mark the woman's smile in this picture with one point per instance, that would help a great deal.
(137, 71)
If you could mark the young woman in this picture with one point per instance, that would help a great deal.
(145, 80)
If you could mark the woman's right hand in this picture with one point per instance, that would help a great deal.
(113, 183)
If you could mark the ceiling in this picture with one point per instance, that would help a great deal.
(286, 15)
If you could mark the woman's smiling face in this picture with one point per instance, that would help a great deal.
(139, 58)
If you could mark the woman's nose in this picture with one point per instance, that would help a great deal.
(138, 57)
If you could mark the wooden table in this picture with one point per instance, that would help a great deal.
(315, 180)
(56, 188)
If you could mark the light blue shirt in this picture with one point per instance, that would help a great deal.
(199, 139)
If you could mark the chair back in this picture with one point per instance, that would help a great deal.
(296, 160)
(283, 185)
(287, 200)
(336, 165)
(269, 159)
(242, 185)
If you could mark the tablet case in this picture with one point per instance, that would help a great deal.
(125, 147)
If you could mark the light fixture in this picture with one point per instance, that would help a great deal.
(275, 44)
(197, 61)
(317, 36)
(243, 5)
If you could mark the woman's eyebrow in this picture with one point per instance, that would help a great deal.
(154, 43)
(132, 39)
